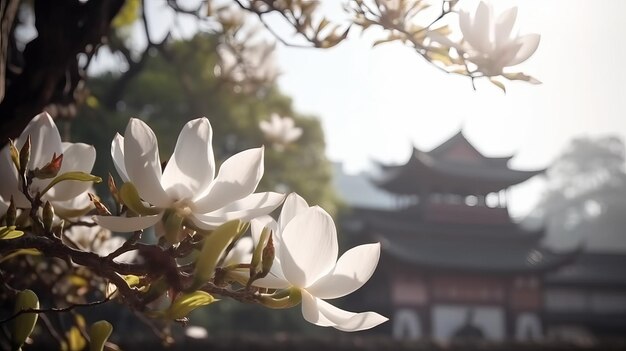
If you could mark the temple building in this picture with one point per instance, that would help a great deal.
(454, 265)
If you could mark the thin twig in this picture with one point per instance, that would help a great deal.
(55, 309)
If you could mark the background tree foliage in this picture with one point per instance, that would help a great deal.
(170, 92)
(585, 201)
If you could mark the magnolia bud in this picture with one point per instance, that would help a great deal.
(25, 155)
(51, 169)
(100, 207)
(15, 155)
(11, 216)
(99, 332)
(113, 189)
(24, 324)
(48, 216)
(268, 257)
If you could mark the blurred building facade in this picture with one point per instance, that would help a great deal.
(455, 266)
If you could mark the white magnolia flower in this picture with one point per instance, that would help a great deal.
(280, 130)
(99, 240)
(305, 241)
(489, 42)
(188, 184)
(45, 142)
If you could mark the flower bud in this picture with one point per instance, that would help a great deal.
(268, 257)
(113, 189)
(48, 216)
(257, 255)
(24, 324)
(15, 154)
(25, 155)
(99, 332)
(100, 207)
(51, 169)
(11, 216)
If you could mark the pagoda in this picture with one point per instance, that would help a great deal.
(454, 265)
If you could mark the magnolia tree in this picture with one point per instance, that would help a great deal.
(48, 72)
(215, 237)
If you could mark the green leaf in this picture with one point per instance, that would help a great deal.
(186, 303)
(10, 232)
(212, 250)
(24, 324)
(74, 175)
(130, 197)
(99, 332)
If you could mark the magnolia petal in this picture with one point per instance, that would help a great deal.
(45, 140)
(257, 225)
(238, 177)
(241, 252)
(76, 157)
(309, 247)
(143, 165)
(251, 206)
(127, 224)
(294, 204)
(504, 25)
(354, 268)
(9, 184)
(320, 312)
(117, 154)
(3, 206)
(529, 44)
(481, 28)
(265, 127)
(293, 134)
(192, 166)
(465, 22)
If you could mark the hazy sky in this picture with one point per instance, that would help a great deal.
(376, 103)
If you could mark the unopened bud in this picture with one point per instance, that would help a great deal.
(100, 207)
(11, 216)
(268, 257)
(51, 169)
(15, 154)
(99, 332)
(24, 324)
(25, 155)
(113, 189)
(256, 264)
(48, 216)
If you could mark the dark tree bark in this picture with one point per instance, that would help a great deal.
(8, 11)
(51, 72)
